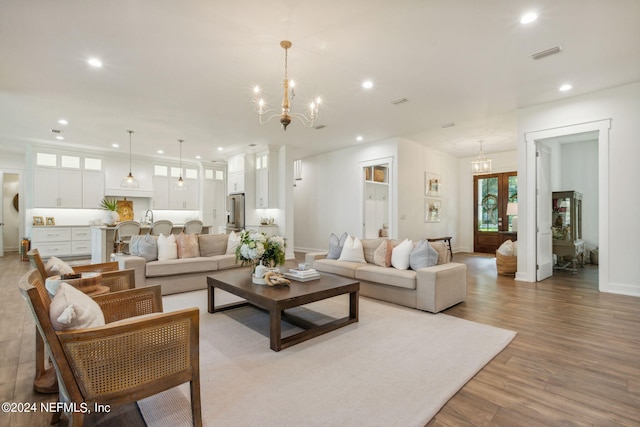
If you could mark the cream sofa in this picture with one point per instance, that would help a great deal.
(182, 274)
(430, 289)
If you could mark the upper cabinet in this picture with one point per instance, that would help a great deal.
(64, 181)
(167, 195)
(235, 174)
(267, 179)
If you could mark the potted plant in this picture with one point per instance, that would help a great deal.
(111, 205)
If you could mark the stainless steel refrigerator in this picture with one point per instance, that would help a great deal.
(235, 212)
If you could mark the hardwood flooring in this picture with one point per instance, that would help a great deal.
(574, 362)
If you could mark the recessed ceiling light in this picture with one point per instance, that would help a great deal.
(367, 84)
(114, 145)
(60, 137)
(528, 18)
(565, 87)
(63, 122)
(95, 62)
(359, 138)
(198, 156)
(220, 148)
(160, 151)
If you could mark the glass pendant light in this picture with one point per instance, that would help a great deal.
(180, 185)
(129, 181)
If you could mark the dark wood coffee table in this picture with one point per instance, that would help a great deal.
(276, 300)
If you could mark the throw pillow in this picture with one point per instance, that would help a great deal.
(212, 244)
(335, 245)
(187, 245)
(423, 255)
(72, 309)
(506, 248)
(352, 250)
(144, 246)
(56, 266)
(167, 247)
(400, 255)
(233, 242)
(382, 255)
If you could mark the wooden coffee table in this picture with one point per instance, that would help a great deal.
(276, 300)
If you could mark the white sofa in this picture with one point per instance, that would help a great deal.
(430, 289)
(182, 274)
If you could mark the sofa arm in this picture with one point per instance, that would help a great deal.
(441, 286)
(138, 263)
(311, 257)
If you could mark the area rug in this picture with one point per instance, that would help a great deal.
(395, 367)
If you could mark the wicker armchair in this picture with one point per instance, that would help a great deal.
(120, 363)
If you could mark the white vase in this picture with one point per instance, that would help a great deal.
(112, 217)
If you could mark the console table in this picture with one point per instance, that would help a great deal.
(447, 241)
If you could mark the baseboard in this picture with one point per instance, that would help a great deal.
(621, 289)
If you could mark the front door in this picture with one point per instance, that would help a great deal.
(491, 194)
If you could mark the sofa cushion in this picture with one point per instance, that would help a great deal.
(226, 261)
(400, 255)
(212, 244)
(144, 245)
(369, 246)
(387, 276)
(180, 266)
(423, 255)
(335, 245)
(167, 247)
(343, 268)
(382, 254)
(187, 245)
(352, 250)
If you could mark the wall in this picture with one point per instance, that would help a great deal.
(622, 106)
(10, 216)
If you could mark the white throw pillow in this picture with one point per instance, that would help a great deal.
(73, 309)
(233, 242)
(56, 266)
(352, 250)
(400, 255)
(506, 248)
(167, 247)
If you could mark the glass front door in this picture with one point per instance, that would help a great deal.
(492, 195)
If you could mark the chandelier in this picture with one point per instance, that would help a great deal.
(265, 114)
(481, 165)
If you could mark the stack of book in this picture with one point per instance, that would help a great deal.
(302, 275)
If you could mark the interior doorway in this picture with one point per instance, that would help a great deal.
(377, 198)
(9, 212)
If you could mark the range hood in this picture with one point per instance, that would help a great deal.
(127, 192)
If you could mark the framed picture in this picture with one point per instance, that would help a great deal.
(432, 184)
(38, 220)
(51, 220)
(432, 209)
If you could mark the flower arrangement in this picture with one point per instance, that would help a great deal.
(257, 248)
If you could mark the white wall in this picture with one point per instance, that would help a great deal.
(10, 216)
(621, 201)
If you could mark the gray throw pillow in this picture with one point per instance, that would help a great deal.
(144, 246)
(423, 255)
(335, 245)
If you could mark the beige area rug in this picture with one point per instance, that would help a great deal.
(395, 367)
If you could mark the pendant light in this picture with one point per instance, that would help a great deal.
(180, 185)
(129, 181)
(481, 165)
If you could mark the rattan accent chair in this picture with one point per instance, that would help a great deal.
(161, 226)
(120, 363)
(193, 226)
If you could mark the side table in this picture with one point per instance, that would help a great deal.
(447, 241)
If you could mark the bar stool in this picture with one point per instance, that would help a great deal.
(193, 226)
(161, 226)
(123, 233)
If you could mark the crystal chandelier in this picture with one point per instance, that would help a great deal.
(129, 181)
(265, 114)
(481, 165)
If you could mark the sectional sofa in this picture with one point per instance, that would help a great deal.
(432, 289)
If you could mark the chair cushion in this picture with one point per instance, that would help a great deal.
(352, 250)
(73, 309)
(167, 247)
(187, 245)
(400, 255)
(56, 266)
(212, 244)
(423, 255)
(335, 245)
(144, 245)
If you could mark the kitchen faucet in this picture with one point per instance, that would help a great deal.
(148, 218)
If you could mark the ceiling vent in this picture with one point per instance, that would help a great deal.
(58, 131)
(545, 53)
(447, 125)
(399, 101)
(317, 127)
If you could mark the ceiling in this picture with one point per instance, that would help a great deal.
(184, 70)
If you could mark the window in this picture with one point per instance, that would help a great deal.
(70, 162)
(46, 159)
(92, 164)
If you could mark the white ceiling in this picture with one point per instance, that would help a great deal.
(184, 69)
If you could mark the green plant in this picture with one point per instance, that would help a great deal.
(109, 204)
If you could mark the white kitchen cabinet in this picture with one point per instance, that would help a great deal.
(266, 179)
(165, 196)
(213, 189)
(235, 182)
(92, 189)
(61, 241)
(160, 192)
(57, 188)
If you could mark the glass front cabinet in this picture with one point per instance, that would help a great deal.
(566, 228)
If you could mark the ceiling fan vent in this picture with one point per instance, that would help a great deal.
(545, 53)
(399, 101)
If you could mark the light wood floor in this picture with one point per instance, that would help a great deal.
(574, 362)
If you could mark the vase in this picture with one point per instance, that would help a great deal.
(257, 274)
(112, 217)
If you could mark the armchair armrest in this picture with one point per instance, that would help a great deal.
(128, 358)
(311, 257)
(129, 303)
(119, 280)
(99, 268)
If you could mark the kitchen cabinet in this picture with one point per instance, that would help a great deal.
(61, 241)
(57, 188)
(92, 189)
(165, 196)
(266, 179)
